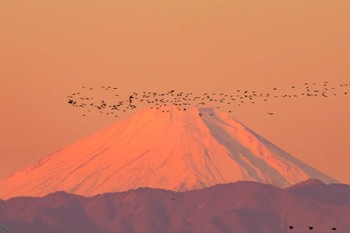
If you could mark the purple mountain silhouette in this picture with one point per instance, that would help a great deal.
(241, 207)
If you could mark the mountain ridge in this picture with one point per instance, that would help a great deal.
(244, 206)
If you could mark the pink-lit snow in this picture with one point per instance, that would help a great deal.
(172, 150)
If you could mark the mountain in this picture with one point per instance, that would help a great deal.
(335, 194)
(241, 207)
(161, 148)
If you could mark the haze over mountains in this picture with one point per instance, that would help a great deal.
(161, 148)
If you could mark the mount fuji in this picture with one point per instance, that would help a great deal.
(165, 149)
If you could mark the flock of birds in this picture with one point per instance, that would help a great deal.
(311, 228)
(183, 100)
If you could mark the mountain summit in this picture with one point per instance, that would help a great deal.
(161, 148)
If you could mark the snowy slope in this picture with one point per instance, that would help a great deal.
(173, 150)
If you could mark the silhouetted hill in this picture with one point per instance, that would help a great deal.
(241, 207)
(335, 194)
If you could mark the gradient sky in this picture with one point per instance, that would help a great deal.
(49, 49)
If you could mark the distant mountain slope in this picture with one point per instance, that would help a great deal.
(332, 193)
(161, 148)
(241, 207)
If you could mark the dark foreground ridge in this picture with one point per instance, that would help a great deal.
(241, 207)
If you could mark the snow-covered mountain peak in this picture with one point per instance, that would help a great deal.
(161, 148)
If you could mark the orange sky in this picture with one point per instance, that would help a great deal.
(49, 49)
